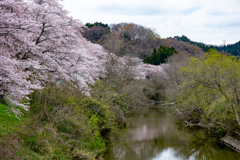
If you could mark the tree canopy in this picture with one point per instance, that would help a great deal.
(95, 31)
(40, 43)
(233, 49)
(160, 55)
(211, 86)
(90, 25)
(203, 46)
(137, 41)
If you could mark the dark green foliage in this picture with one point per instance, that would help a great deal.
(90, 25)
(203, 46)
(160, 55)
(96, 31)
(67, 126)
(221, 132)
(234, 49)
(183, 38)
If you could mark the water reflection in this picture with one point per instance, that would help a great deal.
(170, 154)
(156, 137)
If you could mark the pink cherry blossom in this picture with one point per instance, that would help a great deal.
(39, 42)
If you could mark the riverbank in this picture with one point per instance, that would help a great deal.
(63, 123)
(228, 140)
(153, 135)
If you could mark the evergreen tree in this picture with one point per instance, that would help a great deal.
(160, 55)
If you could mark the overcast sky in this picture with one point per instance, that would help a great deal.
(208, 21)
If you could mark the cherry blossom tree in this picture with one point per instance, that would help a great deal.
(14, 41)
(39, 42)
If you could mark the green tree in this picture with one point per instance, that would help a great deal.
(160, 55)
(234, 49)
(90, 25)
(95, 31)
(203, 46)
(211, 85)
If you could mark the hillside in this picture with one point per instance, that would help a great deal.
(233, 49)
(134, 40)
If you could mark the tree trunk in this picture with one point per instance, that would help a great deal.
(101, 92)
(1, 99)
(236, 104)
(220, 124)
(236, 115)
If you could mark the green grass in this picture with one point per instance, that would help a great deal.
(8, 122)
(60, 124)
(29, 137)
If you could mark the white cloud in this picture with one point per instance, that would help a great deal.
(208, 21)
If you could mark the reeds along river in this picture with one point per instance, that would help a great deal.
(155, 136)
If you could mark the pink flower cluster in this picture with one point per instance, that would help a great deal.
(39, 42)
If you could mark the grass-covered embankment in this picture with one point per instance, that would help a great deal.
(60, 124)
(63, 123)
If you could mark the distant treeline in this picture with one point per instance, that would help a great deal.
(234, 49)
(129, 39)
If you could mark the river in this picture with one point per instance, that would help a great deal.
(155, 136)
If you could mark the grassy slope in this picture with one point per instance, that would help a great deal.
(23, 139)
(11, 144)
(8, 121)
(64, 124)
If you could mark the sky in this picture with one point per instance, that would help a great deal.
(207, 21)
